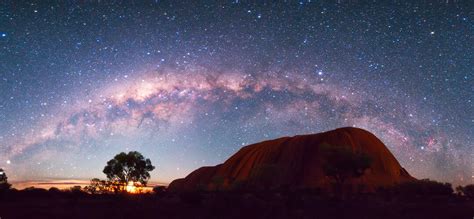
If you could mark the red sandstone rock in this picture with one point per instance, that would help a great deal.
(296, 162)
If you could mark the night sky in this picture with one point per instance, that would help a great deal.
(189, 84)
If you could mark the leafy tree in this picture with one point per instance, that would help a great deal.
(342, 163)
(4, 185)
(128, 168)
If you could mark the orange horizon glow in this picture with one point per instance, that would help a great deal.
(131, 188)
(66, 184)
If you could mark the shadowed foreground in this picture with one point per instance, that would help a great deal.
(302, 204)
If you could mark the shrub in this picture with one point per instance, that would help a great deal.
(159, 190)
(54, 190)
(467, 191)
(98, 186)
(424, 187)
(34, 192)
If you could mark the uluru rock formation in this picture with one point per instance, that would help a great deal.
(296, 162)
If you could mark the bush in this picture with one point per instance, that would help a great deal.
(34, 192)
(98, 186)
(159, 190)
(424, 187)
(54, 190)
(467, 191)
(75, 189)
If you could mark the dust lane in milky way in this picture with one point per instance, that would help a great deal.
(82, 82)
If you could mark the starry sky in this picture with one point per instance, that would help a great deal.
(188, 84)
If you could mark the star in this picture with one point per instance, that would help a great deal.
(81, 89)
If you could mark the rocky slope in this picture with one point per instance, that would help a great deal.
(296, 162)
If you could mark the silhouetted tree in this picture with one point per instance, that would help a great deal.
(4, 185)
(128, 168)
(97, 186)
(424, 188)
(342, 163)
(467, 190)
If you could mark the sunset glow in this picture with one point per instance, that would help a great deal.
(131, 188)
